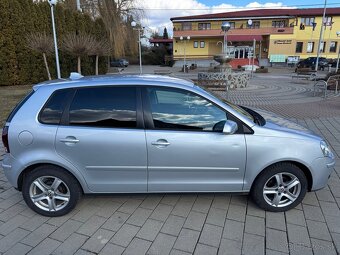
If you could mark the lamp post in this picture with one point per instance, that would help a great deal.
(225, 28)
(52, 4)
(184, 60)
(134, 24)
(321, 36)
(337, 62)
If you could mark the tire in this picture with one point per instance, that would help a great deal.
(277, 198)
(56, 192)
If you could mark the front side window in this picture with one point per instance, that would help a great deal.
(104, 107)
(254, 25)
(177, 109)
(202, 44)
(195, 44)
(299, 46)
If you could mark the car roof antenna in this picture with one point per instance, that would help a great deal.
(75, 76)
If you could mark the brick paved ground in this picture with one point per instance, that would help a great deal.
(187, 223)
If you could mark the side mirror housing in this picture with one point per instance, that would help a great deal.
(230, 127)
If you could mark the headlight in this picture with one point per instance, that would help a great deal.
(326, 150)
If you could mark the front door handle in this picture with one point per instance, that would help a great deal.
(161, 143)
(69, 139)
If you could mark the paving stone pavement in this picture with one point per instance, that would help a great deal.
(185, 223)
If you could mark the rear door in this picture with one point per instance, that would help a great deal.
(102, 134)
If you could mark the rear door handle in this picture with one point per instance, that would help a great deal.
(161, 143)
(69, 139)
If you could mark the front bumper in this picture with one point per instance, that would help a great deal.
(322, 169)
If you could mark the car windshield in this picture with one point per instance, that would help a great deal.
(234, 106)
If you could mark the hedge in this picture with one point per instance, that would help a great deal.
(18, 64)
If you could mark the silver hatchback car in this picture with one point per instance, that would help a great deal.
(151, 134)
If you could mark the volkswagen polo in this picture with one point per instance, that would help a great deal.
(154, 134)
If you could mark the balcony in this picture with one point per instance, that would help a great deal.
(236, 31)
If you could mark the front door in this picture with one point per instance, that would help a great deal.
(187, 150)
(103, 138)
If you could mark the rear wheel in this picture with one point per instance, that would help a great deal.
(280, 187)
(50, 191)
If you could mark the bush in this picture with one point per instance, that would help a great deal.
(20, 65)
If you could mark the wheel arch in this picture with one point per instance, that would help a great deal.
(34, 166)
(301, 166)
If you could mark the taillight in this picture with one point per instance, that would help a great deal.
(5, 138)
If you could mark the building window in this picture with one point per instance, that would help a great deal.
(333, 46)
(202, 44)
(186, 26)
(204, 26)
(232, 25)
(195, 44)
(322, 47)
(254, 25)
(279, 23)
(310, 47)
(328, 21)
(299, 46)
(307, 21)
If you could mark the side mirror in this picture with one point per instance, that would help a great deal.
(230, 127)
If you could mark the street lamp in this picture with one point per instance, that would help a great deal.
(337, 62)
(134, 24)
(52, 4)
(184, 60)
(225, 28)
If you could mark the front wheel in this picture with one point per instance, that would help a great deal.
(50, 191)
(280, 187)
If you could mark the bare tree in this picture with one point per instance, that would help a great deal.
(101, 48)
(116, 15)
(42, 43)
(78, 45)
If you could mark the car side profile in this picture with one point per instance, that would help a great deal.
(154, 134)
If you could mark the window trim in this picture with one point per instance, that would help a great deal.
(149, 125)
(139, 110)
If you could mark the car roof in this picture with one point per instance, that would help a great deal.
(116, 79)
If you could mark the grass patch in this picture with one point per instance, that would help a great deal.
(9, 97)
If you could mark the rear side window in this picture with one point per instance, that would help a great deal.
(104, 107)
(53, 109)
(18, 106)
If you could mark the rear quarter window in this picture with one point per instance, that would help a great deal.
(54, 107)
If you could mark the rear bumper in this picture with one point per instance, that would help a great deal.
(322, 169)
(10, 173)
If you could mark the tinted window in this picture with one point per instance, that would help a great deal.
(104, 107)
(178, 109)
(53, 110)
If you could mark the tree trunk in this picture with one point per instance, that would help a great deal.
(79, 65)
(97, 62)
(47, 68)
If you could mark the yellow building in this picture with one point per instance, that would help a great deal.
(280, 34)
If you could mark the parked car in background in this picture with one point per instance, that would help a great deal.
(154, 134)
(119, 63)
(311, 62)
